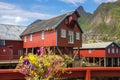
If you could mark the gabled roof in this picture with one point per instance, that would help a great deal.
(96, 45)
(10, 32)
(46, 24)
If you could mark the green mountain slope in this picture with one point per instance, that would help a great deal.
(84, 17)
(104, 25)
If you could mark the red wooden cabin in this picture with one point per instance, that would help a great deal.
(103, 54)
(62, 31)
(11, 46)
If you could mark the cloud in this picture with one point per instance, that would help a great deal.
(12, 14)
(73, 1)
(62, 11)
(101, 1)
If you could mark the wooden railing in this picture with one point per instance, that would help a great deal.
(11, 74)
(86, 72)
(9, 59)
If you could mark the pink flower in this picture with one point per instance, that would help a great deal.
(40, 51)
(46, 75)
(49, 68)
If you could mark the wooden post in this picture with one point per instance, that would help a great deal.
(118, 62)
(88, 75)
(26, 51)
(99, 61)
(54, 49)
(112, 62)
(104, 61)
(93, 60)
(78, 53)
(32, 50)
(88, 60)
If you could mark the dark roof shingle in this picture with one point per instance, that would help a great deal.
(46, 24)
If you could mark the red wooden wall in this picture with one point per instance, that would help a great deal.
(113, 54)
(5, 51)
(50, 39)
(94, 53)
(64, 41)
(100, 52)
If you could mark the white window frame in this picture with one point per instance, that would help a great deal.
(113, 50)
(43, 35)
(30, 37)
(77, 35)
(71, 37)
(108, 50)
(25, 38)
(20, 52)
(63, 33)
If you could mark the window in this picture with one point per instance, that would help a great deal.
(77, 36)
(112, 45)
(20, 52)
(117, 50)
(71, 17)
(25, 39)
(66, 21)
(113, 50)
(63, 33)
(90, 51)
(2, 42)
(31, 37)
(109, 50)
(43, 35)
(70, 37)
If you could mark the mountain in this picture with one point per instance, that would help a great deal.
(103, 24)
(84, 17)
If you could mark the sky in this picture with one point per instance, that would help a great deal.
(24, 12)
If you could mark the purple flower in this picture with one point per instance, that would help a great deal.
(40, 51)
(31, 67)
(26, 61)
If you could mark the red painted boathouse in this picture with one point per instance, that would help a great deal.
(11, 45)
(103, 53)
(62, 31)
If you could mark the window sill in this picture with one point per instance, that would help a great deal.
(70, 43)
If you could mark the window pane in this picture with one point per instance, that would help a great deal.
(63, 33)
(31, 37)
(77, 36)
(43, 35)
(70, 37)
(2, 42)
(109, 50)
(25, 39)
(117, 50)
(20, 52)
(113, 51)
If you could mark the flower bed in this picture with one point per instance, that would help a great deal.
(43, 64)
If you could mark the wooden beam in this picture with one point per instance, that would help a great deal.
(88, 75)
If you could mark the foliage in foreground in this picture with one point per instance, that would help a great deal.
(42, 66)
